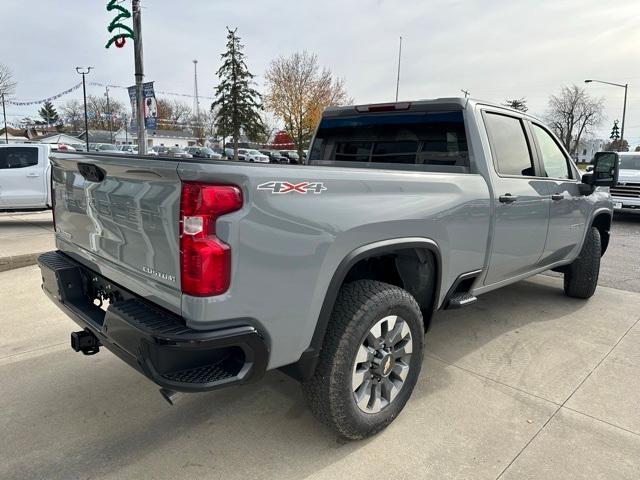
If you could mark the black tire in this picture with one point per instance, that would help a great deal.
(581, 277)
(359, 306)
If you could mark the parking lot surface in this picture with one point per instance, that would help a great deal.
(527, 383)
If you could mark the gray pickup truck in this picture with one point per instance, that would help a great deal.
(202, 274)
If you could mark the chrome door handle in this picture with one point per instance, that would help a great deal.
(32, 175)
(507, 198)
(557, 196)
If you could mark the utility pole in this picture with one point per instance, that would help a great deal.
(466, 92)
(139, 73)
(84, 72)
(126, 130)
(198, 131)
(196, 104)
(399, 59)
(624, 112)
(4, 114)
(110, 116)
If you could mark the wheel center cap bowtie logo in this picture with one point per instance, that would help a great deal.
(279, 186)
(386, 365)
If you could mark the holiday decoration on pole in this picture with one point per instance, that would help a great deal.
(615, 131)
(124, 32)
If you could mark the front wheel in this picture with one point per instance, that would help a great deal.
(581, 277)
(370, 360)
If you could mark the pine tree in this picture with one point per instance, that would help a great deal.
(615, 131)
(517, 104)
(238, 103)
(49, 114)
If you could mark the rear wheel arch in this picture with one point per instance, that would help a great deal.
(408, 254)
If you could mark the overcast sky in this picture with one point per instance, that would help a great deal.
(496, 49)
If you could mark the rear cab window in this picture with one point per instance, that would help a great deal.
(407, 140)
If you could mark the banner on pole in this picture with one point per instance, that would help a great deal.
(150, 105)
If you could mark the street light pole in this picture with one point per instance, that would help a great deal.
(4, 114)
(139, 73)
(398, 78)
(82, 72)
(109, 118)
(624, 106)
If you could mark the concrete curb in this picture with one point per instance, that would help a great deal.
(18, 261)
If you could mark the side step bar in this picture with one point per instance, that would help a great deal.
(458, 295)
(460, 300)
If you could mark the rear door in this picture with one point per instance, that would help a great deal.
(521, 201)
(22, 177)
(569, 210)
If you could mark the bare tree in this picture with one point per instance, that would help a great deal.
(573, 114)
(73, 115)
(298, 91)
(180, 113)
(98, 112)
(7, 83)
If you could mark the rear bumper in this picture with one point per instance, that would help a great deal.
(153, 341)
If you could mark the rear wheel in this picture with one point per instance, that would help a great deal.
(370, 360)
(581, 277)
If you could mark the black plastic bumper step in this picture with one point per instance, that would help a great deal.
(205, 374)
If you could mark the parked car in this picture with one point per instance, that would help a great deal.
(404, 209)
(626, 194)
(25, 177)
(160, 150)
(129, 149)
(80, 147)
(178, 152)
(103, 147)
(274, 156)
(203, 152)
(291, 156)
(251, 155)
(62, 147)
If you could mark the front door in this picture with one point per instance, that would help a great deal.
(521, 200)
(569, 210)
(22, 177)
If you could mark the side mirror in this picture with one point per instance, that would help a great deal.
(590, 168)
(604, 172)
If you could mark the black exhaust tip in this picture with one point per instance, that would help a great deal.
(170, 396)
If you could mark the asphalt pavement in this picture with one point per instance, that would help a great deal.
(525, 384)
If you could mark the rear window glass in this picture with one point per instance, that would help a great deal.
(408, 141)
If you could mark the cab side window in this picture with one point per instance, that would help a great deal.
(509, 145)
(553, 159)
(18, 157)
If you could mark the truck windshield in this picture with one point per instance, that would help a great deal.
(630, 162)
(409, 141)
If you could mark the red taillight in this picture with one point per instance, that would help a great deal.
(205, 260)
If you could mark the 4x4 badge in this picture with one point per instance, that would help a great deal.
(279, 186)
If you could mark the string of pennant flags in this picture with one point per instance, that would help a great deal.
(38, 102)
(96, 84)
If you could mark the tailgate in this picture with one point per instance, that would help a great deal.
(121, 213)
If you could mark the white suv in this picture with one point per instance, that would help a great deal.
(251, 155)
